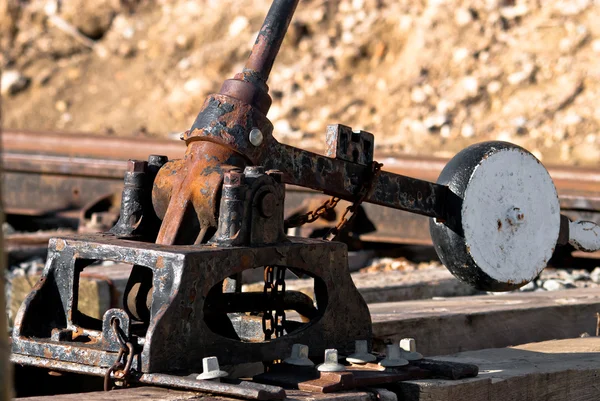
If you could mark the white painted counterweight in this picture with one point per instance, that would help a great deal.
(510, 216)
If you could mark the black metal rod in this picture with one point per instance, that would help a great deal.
(270, 37)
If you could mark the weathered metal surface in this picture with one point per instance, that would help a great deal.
(81, 145)
(239, 389)
(51, 181)
(221, 215)
(584, 235)
(242, 389)
(345, 144)
(185, 193)
(504, 220)
(183, 277)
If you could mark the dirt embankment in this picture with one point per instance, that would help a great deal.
(423, 76)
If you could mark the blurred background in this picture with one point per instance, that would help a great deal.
(426, 77)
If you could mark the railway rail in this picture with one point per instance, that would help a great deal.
(57, 178)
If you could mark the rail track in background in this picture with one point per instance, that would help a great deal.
(73, 181)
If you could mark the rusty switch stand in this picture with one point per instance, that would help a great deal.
(191, 227)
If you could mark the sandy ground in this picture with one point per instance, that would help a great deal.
(426, 77)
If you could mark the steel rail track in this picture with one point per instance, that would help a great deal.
(53, 172)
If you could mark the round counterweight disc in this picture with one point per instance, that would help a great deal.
(504, 217)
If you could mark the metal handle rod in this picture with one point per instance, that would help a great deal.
(270, 38)
(342, 179)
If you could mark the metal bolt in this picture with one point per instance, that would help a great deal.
(299, 356)
(157, 160)
(331, 363)
(234, 177)
(255, 137)
(137, 166)
(267, 204)
(361, 353)
(392, 357)
(254, 170)
(408, 350)
(515, 216)
(211, 369)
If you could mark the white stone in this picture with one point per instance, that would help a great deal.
(460, 54)
(470, 85)
(193, 85)
(494, 87)
(418, 95)
(282, 127)
(467, 131)
(462, 17)
(184, 64)
(13, 82)
(514, 11)
(528, 287)
(445, 131)
(553, 285)
(521, 76)
(238, 25)
(571, 7)
(435, 121)
(571, 119)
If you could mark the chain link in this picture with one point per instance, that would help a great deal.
(279, 293)
(331, 203)
(359, 198)
(274, 288)
(119, 369)
(313, 215)
(268, 321)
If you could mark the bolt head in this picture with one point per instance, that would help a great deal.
(331, 355)
(515, 216)
(300, 351)
(256, 137)
(393, 357)
(361, 346)
(233, 177)
(331, 362)
(137, 166)
(361, 353)
(254, 170)
(299, 356)
(211, 369)
(157, 160)
(408, 344)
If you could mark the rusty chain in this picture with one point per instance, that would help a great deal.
(268, 321)
(331, 203)
(120, 370)
(279, 292)
(274, 290)
(359, 198)
(313, 215)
